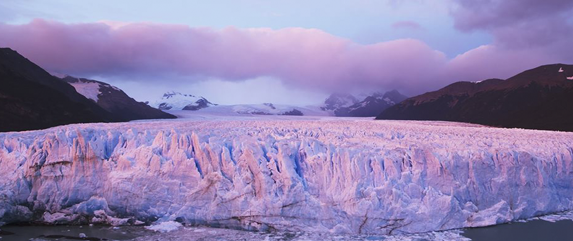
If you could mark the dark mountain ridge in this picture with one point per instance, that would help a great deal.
(31, 98)
(534, 99)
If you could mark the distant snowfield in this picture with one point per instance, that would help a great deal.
(286, 173)
(251, 111)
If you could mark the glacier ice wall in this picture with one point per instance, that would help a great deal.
(341, 176)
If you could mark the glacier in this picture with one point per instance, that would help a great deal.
(318, 174)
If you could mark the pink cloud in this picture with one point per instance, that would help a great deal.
(301, 57)
(490, 61)
(307, 58)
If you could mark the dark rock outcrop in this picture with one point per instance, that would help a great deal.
(293, 112)
(199, 104)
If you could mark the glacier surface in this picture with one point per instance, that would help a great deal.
(341, 176)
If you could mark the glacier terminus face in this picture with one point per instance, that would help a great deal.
(345, 175)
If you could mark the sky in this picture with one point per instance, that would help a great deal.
(287, 52)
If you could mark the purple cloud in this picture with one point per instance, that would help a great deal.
(526, 33)
(491, 14)
(517, 23)
(411, 25)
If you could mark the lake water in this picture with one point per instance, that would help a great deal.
(535, 230)
(64, 232)
(530, 231)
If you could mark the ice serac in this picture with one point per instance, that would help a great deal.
(340, 176)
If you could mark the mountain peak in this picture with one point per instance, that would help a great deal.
(174, 100)
(372, 105)
(395, 96)
(339, 100)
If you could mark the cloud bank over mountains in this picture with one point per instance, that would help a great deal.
(526, 34)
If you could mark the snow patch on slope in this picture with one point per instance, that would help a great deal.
(88, 89)
(325, 175)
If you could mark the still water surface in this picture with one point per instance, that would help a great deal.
(535, 230)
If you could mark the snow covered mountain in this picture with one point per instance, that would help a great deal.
(538, 99)
(114, 100)
(324, 175)
(178, 101)
(337, 104)
(372, 105)
(265, 109)
(338, 100)
(173, 102)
